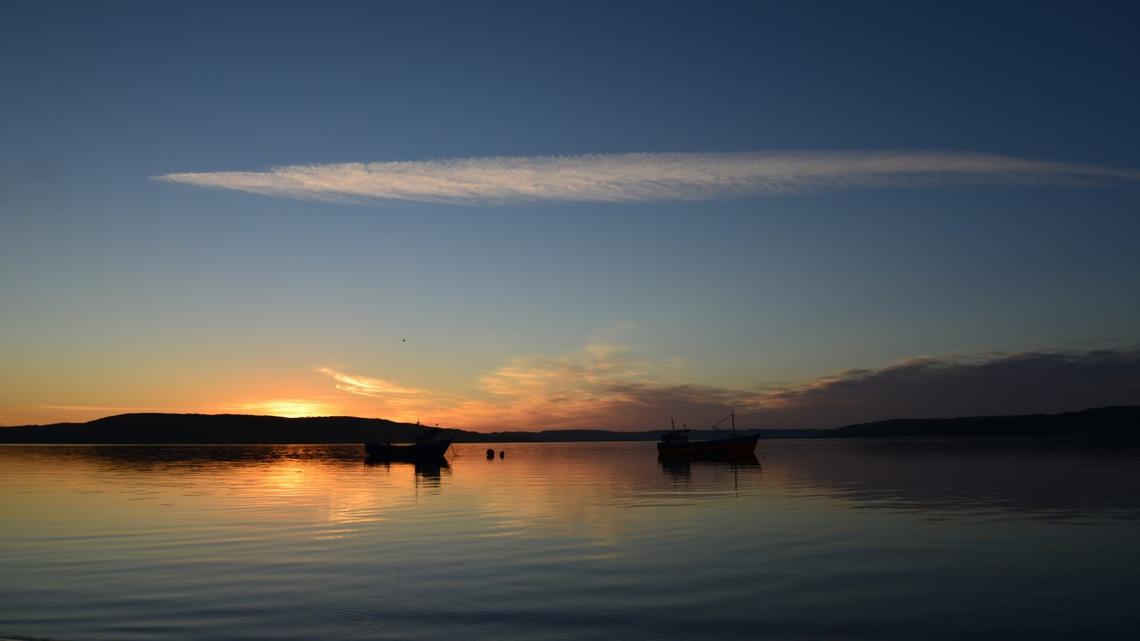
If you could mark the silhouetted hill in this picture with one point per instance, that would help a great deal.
(213, 428)
(242, 428)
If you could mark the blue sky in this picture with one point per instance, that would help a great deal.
(124, 292)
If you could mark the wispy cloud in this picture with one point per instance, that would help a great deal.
(964, 385)
(562, 390)
(1017, 383)
(365, 385)
(608, 385)
(388, 399)
(639, 177)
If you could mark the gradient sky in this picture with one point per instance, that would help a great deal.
(774, 265)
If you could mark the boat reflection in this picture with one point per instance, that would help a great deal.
(681, 469)
(432, 469)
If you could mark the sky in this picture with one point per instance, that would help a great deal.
(539, 215)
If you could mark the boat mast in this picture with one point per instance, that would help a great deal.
(731, 415)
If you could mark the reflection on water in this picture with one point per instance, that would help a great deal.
(1049, 478)
(875, 539)
(681, 469)
(431, 471)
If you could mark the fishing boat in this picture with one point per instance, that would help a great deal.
(676, 444)
(430, 445)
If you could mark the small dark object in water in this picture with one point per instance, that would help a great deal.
(502, 454)
(490, 454)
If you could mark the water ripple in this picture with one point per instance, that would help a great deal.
(824, 539)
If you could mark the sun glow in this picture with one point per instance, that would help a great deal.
(290, 408)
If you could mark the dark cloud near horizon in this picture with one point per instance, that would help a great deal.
(1023, 383)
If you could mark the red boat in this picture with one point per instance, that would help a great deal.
(676, 444)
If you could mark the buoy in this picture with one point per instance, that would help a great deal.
(502, 454)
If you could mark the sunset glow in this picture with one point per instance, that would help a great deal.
(672, 320)
(402, 220)
(289, 408)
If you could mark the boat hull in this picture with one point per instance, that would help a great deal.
(725, 448)
(408, 452)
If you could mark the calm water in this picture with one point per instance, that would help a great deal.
(985, 539)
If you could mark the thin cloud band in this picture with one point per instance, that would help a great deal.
(645, 177)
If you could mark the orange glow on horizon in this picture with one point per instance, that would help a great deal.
(290, 408)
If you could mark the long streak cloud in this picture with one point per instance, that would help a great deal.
(642, 177)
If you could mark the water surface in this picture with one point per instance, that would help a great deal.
(824, 539)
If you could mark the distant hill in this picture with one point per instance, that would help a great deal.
(1091, 421)
(213, 428)
(243, 428)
